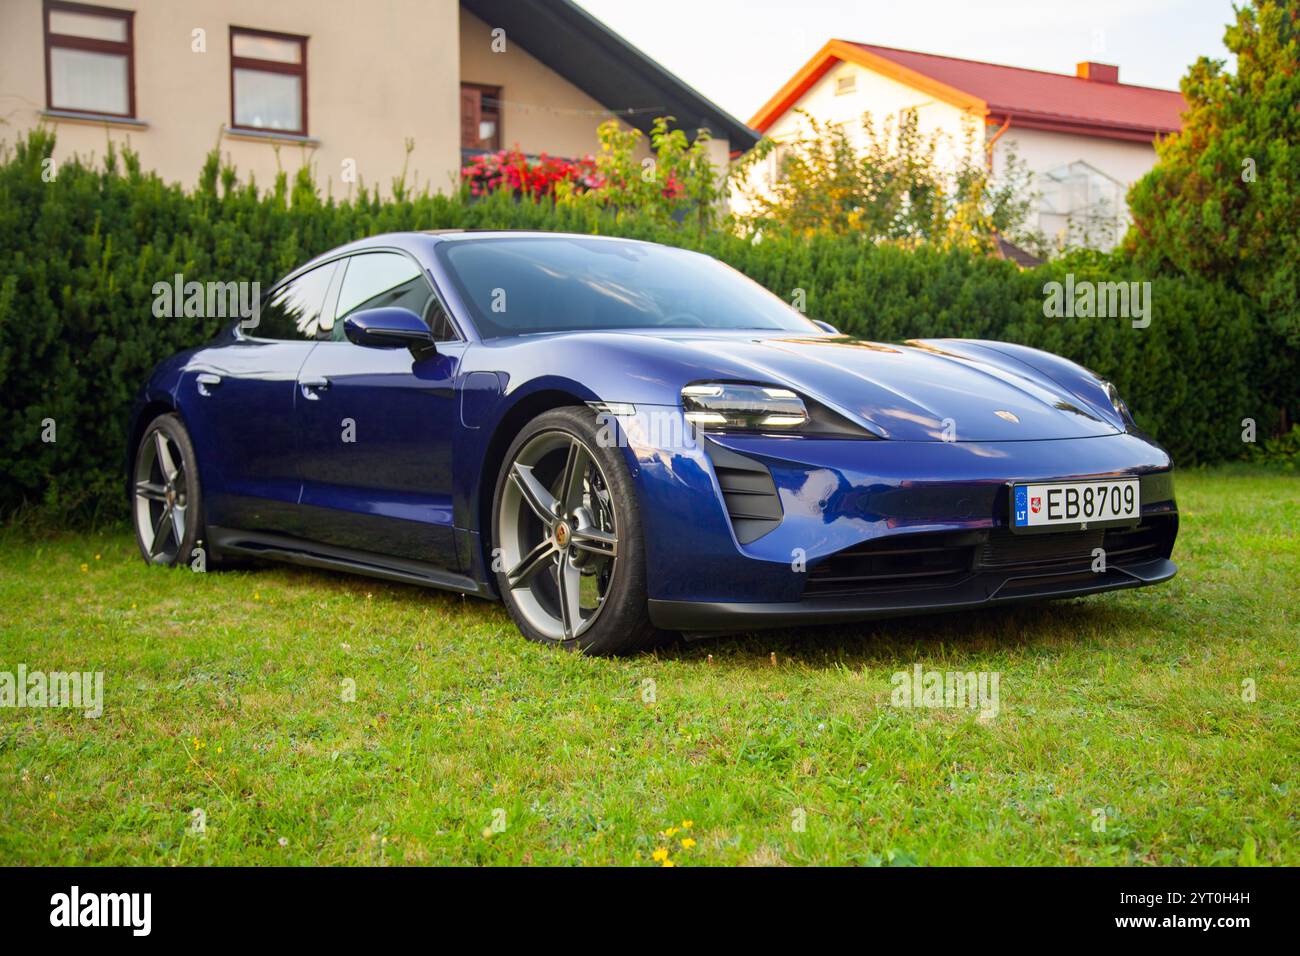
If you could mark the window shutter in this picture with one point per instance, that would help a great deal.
(471, 113)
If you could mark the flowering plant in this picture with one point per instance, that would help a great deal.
(672, 180)
(511, 170)
(668, 178)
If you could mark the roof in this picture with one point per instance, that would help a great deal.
(598, 61)
(1031, 99)
(1005, 249)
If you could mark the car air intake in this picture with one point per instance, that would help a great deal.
(749, 492)
(895, 563)
(1024, 553)
(942, 559)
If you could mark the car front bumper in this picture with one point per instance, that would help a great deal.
(823, 547)
(979, 590)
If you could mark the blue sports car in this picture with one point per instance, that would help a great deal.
(620, 439)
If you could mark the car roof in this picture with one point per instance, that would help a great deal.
(460, 235)
(422, 241)
(390, 239)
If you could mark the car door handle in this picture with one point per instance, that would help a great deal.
(206, 382)
(310, 386)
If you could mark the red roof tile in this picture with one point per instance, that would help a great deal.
(1034, 94)
(1033, 99)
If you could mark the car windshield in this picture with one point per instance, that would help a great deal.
(524, 285)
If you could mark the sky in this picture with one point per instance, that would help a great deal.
(739, 52)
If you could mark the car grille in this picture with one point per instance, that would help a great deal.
(938, 560)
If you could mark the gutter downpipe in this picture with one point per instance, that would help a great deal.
(1006, 125)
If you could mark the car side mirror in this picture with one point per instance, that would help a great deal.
(826, 327)
(388, 328)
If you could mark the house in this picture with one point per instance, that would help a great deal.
(1084, 138)
(344, 86)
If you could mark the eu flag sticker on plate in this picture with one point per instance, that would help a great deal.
(1022, 506)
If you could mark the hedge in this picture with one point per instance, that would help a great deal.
(82, 252)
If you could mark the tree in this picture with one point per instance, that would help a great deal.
(1223, 199)
(675, 182)
(885, 184)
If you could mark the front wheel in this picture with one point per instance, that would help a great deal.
(566, 535)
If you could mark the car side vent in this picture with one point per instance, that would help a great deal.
(749, 491)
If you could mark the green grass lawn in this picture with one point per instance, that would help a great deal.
(467, 744)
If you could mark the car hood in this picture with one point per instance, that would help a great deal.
(917, 391)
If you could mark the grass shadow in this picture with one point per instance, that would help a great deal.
(1040, 628)
(1043, 629)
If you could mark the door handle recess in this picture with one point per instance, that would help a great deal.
(206, 381)
(310, 386)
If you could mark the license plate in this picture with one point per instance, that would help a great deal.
(1075, 504)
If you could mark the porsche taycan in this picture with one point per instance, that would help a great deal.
(620, 440)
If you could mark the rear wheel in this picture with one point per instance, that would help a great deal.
(566, 538)
(167, 502)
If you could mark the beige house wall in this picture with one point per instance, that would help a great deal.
(1042, 151)
(881, 96)
(542, 111)
(361, 111)
(379, 74)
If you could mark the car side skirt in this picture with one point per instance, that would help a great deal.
(276, 547)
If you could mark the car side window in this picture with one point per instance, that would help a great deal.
(440, 324)
(386, 279)
(293, 311)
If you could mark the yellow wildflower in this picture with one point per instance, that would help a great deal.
(659, 855)
(687, 843)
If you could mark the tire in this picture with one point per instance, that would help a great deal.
(593, 533)
(167, 502)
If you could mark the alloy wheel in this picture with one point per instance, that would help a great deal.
(161, 498)
(558, 535)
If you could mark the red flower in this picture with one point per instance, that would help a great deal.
(512, 170)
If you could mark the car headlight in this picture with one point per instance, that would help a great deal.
(1116, 402)
(728, 405)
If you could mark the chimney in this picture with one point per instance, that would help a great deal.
(1097, 72)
